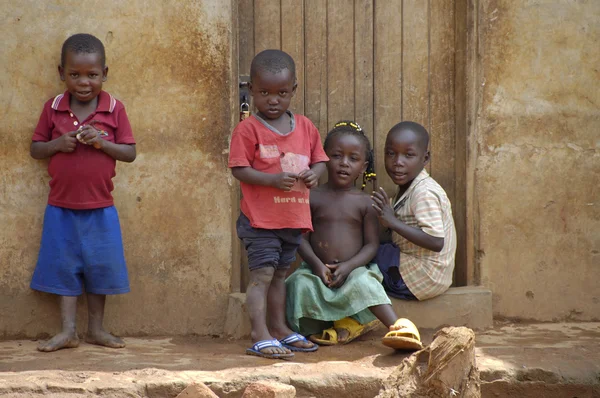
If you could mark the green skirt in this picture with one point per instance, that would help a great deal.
(312, 307)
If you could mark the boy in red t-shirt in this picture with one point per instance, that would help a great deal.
(277, 157)
(84, 132)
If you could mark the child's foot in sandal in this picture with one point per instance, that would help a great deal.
(271, 349)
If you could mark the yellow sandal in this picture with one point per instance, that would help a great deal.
(327, 337)
(354, 328)
(405, 338)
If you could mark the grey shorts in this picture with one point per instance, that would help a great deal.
(268, 247)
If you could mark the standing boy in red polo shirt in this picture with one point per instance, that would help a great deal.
(84, 132)
(277, 157)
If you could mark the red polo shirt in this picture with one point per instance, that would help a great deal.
(82, 179)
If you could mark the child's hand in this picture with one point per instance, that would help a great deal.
(381, 204)
(284, 181)
(89, 135)
(340, 272)
(324, 273)
(66, 142)
(309, 177)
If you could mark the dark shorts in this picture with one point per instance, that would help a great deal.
(81, 249)
(268, 247)
(388, 261)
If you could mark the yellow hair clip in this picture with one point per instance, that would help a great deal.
(370, 176)
(351, 124)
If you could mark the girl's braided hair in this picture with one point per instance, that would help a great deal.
(349, 127)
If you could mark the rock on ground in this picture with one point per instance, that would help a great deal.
(269, 389)
(197, 390)
(446, 368)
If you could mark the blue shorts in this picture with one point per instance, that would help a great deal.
(81, 249)
(388, 261)
(268, 247)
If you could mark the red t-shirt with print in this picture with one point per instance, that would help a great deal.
(82, 179)
(255, 145)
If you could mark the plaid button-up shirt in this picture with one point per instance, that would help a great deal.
(425, 206)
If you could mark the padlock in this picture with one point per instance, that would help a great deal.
(244, 111)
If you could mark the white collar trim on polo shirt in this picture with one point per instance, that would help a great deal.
(111, 104)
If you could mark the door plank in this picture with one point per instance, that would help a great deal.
(340, 60)
(292, 42)
(363, 65)
(415, 62)
(388, 80)
(442, 93)
(442, 129)
(464, 272)
(245, 35)
(315, 63)
(267, 25)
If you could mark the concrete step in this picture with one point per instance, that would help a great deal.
(469, 306)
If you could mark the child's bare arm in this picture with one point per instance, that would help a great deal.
(365, 254)
(65, 143)
(121, 152)
(308, 254)
(319, 168)
(284, 181)
(311, 176)
(388, 219)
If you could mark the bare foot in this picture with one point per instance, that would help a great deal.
(342, 334)
(275, 350)
(303, 344)
(282, 333)
(268, 350)
(60, 341)
(395, 327)
(105, 339)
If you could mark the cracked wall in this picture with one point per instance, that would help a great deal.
(538, 167)
(170, 64)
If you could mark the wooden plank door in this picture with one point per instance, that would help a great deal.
(374, 61)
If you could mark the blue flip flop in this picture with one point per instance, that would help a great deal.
(294, 337)
(261, 345)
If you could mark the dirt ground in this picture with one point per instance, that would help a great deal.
(564, 357)
(183, 353)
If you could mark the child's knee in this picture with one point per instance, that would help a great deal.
(280, 273)
(261, 276)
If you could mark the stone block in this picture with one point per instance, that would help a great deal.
(237, 322)
(197, 390)
(269, 389)
(469, 306)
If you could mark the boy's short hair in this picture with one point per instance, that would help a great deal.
(83, 43)
(273, 61)
(416, 128)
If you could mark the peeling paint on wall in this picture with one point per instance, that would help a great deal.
(169, 63)
(538, 167)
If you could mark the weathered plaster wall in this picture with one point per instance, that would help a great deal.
(170, 63)
(537, 173)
